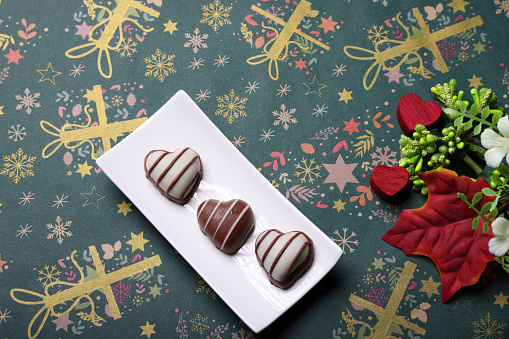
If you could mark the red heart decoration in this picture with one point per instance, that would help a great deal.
(389, 183)
(412, 111)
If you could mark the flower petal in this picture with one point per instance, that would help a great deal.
(490, 139)
(503, 126)
(495, 155)
(500, 227)
(498, 247)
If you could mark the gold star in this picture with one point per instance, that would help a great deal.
(501, 299)
(429, 287)
(148, 329)
(84, 169)
(479, 47)
(314, 87)
(92, 198)
(458, 5)
(124, 207)
(155, 290)
(465, 304)
(345, 96)
(475, 82)
(51, 78)
(339, 205)
(137, 242)
(1, 109)
(378, 263)
(170, 27)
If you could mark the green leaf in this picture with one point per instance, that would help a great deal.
(489, 192)
(486, 227)
(463, 107)
(451, 113)
(477, 129)
(475, 223)
(496, 180)
(486, 207)
(496, 117)
(458, 121)
(493, 213)
(468, 125)
(477, 197)
(81, 306)
(474, 109)
(485, 113)
(463, 197)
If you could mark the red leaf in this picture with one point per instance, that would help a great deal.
(250, 21)
(282, 160)
(320, 205)
(339, 145)
(266, 164)
(30, 27)
(275, 154)
(442, 230)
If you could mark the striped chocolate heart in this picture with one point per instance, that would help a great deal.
(226, 223)
(284, 256)
(175, 174)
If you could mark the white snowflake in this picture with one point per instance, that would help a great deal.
(17, 133)
(221, 61)
(26, 198)
(202, 95)
(283, 90)
(252, 87)
(196, 40)
(383, 157)
(237, 142)
(196, 63)
(284, 117)
(60, 201)
(76, 70)
(319, 110)
(28, 102)
(4, 315)
(23, 231)
(121, 291)
(344, 240)
(59, 230)
(266, 135)
(339, 70)
(503, 7)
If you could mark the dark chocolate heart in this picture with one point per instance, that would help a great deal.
(412, 111)
(389, 183)
(226, 223)
(176, 174)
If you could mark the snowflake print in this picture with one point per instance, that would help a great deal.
(18, 165)
(503, 7)
(127, 47)
(319, 110)
(48, 275)
(376, 34)
(137, 300)
(60, 201)
(4, 315)
(252, 87)
(237, 142)
(377, 295)
(59, 230)
(231, 106)
(199, 324)
(276, 12)
(283, 90)
(284, 117)
(121, 291)
(203, 95)
(28, 101)
(216, 15)
(383, 157)
(196, 40)
(367, 279)
(338, 70)
(308, 171)
(4, 74)
(221, 61)
(487, 328)
(117, 100)
(344, 240)
(196, 63)
(26, 198)
(463, 56)
(17, 133)
(447, 48)
(76, 70)
(267, 135)
(159, 65)
(23, 231)
(242, 334)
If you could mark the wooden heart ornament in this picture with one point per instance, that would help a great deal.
(412, 111)
(175, 174)
(389, 183)
(226, 223)
(284, 256)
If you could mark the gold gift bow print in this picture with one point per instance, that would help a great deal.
(113, 22)
(282, 40)
(408, 47)
(80, 290)
(72, 138)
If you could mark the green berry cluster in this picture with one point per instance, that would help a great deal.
(496, 179)
(424, 151)
(446, 93)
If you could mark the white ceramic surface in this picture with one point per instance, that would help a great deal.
(238, 280)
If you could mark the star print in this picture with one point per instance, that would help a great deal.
(124, 207)
(2, 263)
(345, 96)
(300, 64)
(1, 109)
(84, 169)
(137, 242)
(429, 287)
(458, 5)
(351, 126)
(328, 24)
(314, 87)
(148, 329)
(378, 263)
(501, 300)
(475, 82)
(50, 78)
(465, 304)
(83, 29)
(339, 205)
(13, 56)
(340, 173)
(92, 198)
(479, 47)
(155, 291)
(62, 322)
(170, 27)
(394, 75)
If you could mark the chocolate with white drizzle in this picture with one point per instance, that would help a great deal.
(226, 223)
(175, 174)
(284, 256)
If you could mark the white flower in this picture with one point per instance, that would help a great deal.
(497, 145)
(500, 244)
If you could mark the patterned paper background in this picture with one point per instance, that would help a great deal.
(313, 109)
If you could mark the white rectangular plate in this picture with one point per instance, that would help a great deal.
(227, 174)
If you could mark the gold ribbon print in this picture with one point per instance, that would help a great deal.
(409, 47)
(74, 135)
(276, 49)
(79, 291)
(113, 23)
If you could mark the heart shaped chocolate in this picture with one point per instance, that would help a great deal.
(226, 223)
(389, 183)
(284, 256)
(175, 174)
(412, 111)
